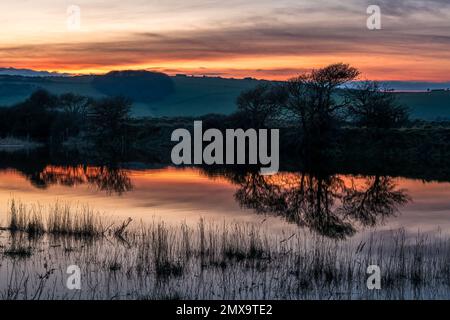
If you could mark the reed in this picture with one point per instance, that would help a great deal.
(62, 219)
(81, 222)
(214, 261)
(25, 219)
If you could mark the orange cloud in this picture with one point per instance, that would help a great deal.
(274, 42)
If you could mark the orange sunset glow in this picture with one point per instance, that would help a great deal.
(266, 39)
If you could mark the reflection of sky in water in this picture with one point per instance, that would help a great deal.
(177, 195)
(174, 195)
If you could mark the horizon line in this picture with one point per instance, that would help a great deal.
(62, 73)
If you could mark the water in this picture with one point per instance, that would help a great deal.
(300, 234)
(176, 195)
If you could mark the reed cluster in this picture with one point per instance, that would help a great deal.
(210, 260)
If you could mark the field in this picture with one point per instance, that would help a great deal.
(196, 96)
(192, 97)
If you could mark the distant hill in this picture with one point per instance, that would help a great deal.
(191, 96)
(196, 96)
(185, 95)
(415, 86)
(433, 105)
(30, 73)
(140, 86)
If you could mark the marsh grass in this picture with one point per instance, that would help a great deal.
(81, 222)
(216, 261)
(61, 219)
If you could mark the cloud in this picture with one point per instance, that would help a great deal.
(257, 40)
(401, 8)
(224, 33)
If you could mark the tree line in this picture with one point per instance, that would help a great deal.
(53, 118)
(319, 101)
(315, 103)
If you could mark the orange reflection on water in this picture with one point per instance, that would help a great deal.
(176, 194)
(171, 194)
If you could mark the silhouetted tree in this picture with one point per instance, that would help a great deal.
(108, 122)
(70, 116)
(261, 104)
(75, 104)
(314, 98)
(375, 107)
(33, 118)
(42, 99)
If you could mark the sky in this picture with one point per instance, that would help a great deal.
(235, 38)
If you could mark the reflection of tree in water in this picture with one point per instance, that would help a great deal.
(44, 167)
(330, 205)
(379, 199)
(105, 178)
(111, 179)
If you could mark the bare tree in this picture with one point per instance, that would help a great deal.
(261, 104)
(376, 107)
(314, 98)
(74, 104)
(109, 120)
